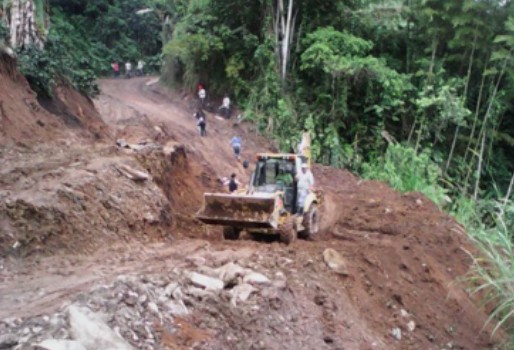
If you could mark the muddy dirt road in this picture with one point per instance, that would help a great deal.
(396, 260)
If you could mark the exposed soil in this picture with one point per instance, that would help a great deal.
(72, 217)
(22, 120)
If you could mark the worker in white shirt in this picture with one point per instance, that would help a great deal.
(305, 185)
(224, 109)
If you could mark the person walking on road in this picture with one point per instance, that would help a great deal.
(199, 114)
(128, 70)
(236, 144)
(202, 95)
(224, 109)
(305, 185)
(202, 125)
(139, 68)
(233, 184)
(115, 68)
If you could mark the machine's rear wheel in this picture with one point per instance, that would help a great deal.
(287, 231)
(310, 222)
(231, 233)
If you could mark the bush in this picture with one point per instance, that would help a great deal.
(4, 32)
(41, 67)
(405, 170)
(38, 68)
(493, 272)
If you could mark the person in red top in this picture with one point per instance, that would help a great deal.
(115, 68)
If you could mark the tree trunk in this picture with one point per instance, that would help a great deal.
(284, 25)
(419, 132)
(287, 39)
(450, 156)
(408, 41)
(484, 125)
(479, 168)
(475, 118)
(464, 98)
(432, 61)
(470, 66)
(506, 199)
(21, 22)
(412, 128)
(492, 139)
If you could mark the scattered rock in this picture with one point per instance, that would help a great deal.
(158, 129)
(153, 308)
(59, 344)
(229, 273)
(92, 332)
(396, 333)
(150, 218)
(199, 292)
(172, 289)
(7, 341)
(241, 293)
(206, 282)
(122, 143)
(152, 81)
(411, 326)
(177, 308)
(335, 261)
(256, 278)
(130, 298)
(131, 173)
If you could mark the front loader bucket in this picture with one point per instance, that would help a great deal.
(238, 211)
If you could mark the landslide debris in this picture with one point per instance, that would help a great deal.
(76, 202)
(385, 273)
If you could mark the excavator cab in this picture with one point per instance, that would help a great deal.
(277, 175)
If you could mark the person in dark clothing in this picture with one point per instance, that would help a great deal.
(232, 184)
(199, 114)
(236, 144)
(201, 126)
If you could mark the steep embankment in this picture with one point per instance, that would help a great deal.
(64, 186)
(390, 279)
(22, 119)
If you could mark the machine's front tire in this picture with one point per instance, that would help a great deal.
(231, 233)
(287, 231)
(310, 222)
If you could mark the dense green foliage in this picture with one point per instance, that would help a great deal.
(86, 36)
(493, 272)
(4, 32)
(407, 171)
(432, 74)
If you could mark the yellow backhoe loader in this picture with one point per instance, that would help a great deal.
(269, 204)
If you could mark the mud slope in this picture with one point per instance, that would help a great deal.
(22, 119)
(403, 253)
(107, 244)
